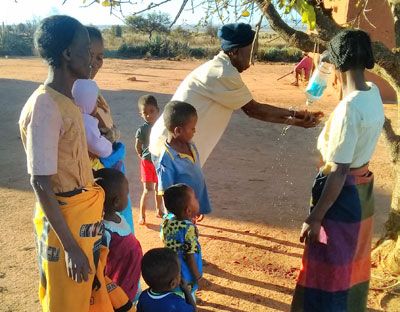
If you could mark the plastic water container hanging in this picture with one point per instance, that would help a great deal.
(318, 82)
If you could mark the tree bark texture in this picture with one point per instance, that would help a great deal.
(387, 61)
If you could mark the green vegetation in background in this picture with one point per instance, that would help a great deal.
(183, 43)
(17, 39)
(124, 42)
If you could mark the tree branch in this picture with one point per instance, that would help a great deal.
(387, 65)
(179, 13)
(392, 140)
(294, 37)
(325, 24)
(151, 6)
(395, 7)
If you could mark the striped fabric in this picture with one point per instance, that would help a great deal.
(335, 277)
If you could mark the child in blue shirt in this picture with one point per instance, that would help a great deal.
(181, 235)
(179, 161)
(161, 271)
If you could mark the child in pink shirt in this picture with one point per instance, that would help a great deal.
(305, 65)
(125, 253)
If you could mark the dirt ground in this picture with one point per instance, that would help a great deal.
(258, 178)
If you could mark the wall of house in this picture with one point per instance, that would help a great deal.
(378, 23)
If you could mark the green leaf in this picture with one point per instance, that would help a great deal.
(307, 13)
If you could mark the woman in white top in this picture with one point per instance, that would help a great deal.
(337, 233)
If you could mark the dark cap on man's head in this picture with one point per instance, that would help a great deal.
(235, 35)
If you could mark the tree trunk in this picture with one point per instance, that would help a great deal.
(386, 254)
(393, 142)
(395, 7)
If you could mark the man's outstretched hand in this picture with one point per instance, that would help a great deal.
(306, 119)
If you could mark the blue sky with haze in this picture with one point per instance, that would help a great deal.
(19, 11)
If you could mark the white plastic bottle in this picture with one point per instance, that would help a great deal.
(318, 82)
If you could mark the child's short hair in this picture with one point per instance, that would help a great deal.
(176, 198)
(159, 267)
(147, 99)
(177, 114)
(111, 181)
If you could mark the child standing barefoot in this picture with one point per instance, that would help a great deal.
(181, 235)
(149, 111)
(125, 253)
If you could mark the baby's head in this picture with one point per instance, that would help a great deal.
(180, 200)
(161, 269)
(116, 189)
(148, 108)
(180, 119)
(85, 93)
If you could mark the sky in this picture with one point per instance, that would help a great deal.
(19, 11)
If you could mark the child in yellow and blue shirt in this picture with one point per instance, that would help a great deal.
(181, 235)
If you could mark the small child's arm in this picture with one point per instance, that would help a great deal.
(112, 134)
(188, 296)
(165, 174)
(191, 241)
(191, 262)
(138, 147)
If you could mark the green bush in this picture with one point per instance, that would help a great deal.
(17, 39)
(15, 44)
(199, 53)
(276, 54)
(164, 48)
(130, 51)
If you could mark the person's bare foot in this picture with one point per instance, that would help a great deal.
(197, 218)
(159, 214)
(142, 221)
(295, 83)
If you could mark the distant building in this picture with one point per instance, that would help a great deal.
(380, 16)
